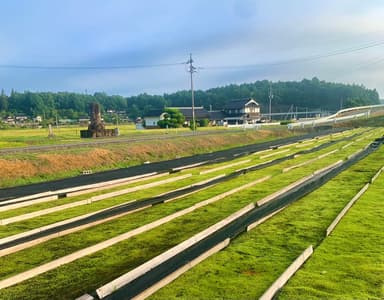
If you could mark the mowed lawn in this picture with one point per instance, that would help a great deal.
(349, 264)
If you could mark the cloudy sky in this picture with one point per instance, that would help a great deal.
(129, 47)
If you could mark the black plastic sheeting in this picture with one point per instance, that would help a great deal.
(233, 229)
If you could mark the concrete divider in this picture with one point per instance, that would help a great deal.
(287, 169)
(194, 185)
(100, 246)
(254, 166)
(262, 151)
(61, 233)
(72, 191)
(376, 175)
(288, 273)
(88, 201)
(138, 188)
(189, 166)
(347, 145)
(28, 203)
(332, 166)
(305, 144)
(356, 153)
(85, 297)
(328, 153)
(225, 167)
(262, 220)
(26, 198)
(148, 292)
(283, 190)
(101, 186)
(274, 153)
(109, 288)
(345, 209)
(40, 240)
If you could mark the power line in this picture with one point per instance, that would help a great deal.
(121, 67)
(300, 60)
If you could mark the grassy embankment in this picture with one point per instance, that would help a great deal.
(82, 275)
(252, 262)
(54, 217)
(349, 264)
(24, 168)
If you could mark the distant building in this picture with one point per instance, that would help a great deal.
(242, 111)
(238, 111)
(152, 117)
(200, 113)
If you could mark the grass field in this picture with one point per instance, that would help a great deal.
(251, 263)
(349, 264)
(90, 272)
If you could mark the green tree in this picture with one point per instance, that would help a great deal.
(173, 118)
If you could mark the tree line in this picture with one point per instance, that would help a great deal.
(306, 94)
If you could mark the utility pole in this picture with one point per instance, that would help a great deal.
(192, 70)
(270, 101)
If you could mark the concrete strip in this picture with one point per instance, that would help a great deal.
(332, 166)
(287, 169)
(274, 153)
(95, 185)
(262, 220)
(88, 201)
(30, 232)
(85, 297)
(253, 166)
(328, 153)
(32, 243)
(198, 190)
(110, 287)
(376, 175)
(347, 145)
(356, 153)
(225, 166)
(345, 209)
(288, 273)
(262, 151)
(100, 246)
(28, 203)
(171, 277)
(283, 190)
(138, 188)
(304, 144)
(102, 187)
(189, 166)
(29, 197)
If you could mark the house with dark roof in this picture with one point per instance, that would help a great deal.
(152, 117)
(200, 113)
(242, 111)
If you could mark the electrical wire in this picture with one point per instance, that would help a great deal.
(300, 60)
(41, 67)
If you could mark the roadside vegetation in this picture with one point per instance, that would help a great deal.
(29, 167)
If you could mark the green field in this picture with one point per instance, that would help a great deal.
(241, 271)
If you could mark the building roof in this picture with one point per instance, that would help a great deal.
(200, 112)
(216, 115)
(239, 103)
(154, 113)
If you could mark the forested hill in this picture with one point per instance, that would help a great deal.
(306, 94)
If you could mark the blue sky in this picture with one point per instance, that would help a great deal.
(339, 41)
